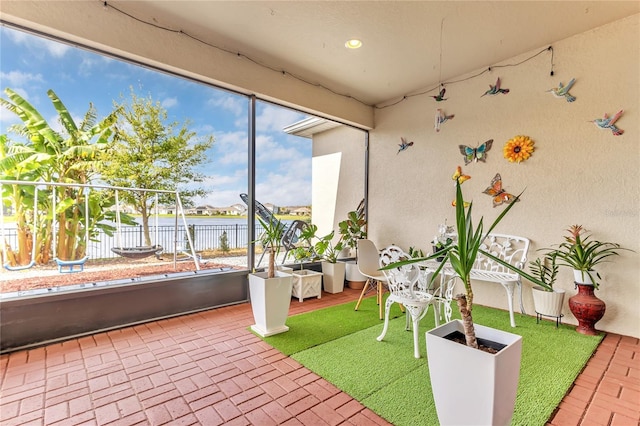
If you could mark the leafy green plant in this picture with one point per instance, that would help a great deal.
(270, 241)
(462, 254)
(545, 270)
(304, 251)
(352, 229)
(582, 253)
(327, 250)
(224, 242)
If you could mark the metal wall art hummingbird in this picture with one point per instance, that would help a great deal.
(404, 145)
(494, 90)
(440, 96)
(608, 123)
(563, 91)
(441, 117)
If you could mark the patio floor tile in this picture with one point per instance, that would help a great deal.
(207, 368)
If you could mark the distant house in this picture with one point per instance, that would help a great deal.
(301, 211)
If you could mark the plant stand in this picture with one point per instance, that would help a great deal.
(548, 304)
(306, 283)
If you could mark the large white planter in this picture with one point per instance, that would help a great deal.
(270, 300)
(470, 386)
(548, 303)
(333, 276)
(355, 279)
(306, 283)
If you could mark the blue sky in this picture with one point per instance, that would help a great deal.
(31, 65)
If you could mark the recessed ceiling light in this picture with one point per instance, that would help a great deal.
(353, 44)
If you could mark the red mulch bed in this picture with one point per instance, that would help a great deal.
(94, 271)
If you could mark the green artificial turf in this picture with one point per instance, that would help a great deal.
(340, 345)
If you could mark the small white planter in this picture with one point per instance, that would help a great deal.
(548, 303)
(306, 283)
(581, 277)
(470, 386)
(270, 301)
(333, 276)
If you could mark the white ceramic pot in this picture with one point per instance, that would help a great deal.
(270, 301)
(470, 386)
(548, 303)
(333, 278)
(355, 279)
(581, 277)
(306, 283)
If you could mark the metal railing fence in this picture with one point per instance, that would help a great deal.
(205, 237)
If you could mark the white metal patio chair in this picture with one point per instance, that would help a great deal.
(402, 283)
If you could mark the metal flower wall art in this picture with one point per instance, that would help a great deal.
(404, 145)
(494, 90)
(441, 117)
(608, 123)
(496, 191)
(475, 154)
(563, 91)
(518, 149)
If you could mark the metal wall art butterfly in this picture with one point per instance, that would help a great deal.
(404, 145)
(499, 195)
(475, 154)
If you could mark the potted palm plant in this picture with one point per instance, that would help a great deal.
(270, 291)
(582, 253)
(333, 270)
(491, 374)
(351, 230)
(547, 300)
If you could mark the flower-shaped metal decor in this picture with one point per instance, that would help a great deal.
(518, 149)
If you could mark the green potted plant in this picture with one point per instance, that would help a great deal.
(270, 291)
(306, 283)
(582, 253)
(547, 300)
(333, 270)
(351, 230)
(490, 375)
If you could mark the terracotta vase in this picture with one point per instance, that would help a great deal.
(587, 309)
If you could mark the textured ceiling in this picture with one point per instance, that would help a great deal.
(408, 46)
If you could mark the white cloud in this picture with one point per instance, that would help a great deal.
(53, 48)
(169, 102)
(15, 79)
(273, 118)
(234, 104)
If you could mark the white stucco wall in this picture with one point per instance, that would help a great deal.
(350, 144)
(579, 174)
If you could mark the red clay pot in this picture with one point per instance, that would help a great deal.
(587, 309)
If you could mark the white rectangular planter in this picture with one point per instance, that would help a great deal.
(333, 279)
(470, 386)
(306, 283)
(270, 301)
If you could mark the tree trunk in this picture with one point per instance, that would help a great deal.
(272, 263)
(467, 321)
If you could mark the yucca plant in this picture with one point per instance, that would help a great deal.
(462, 254)
(270, 240)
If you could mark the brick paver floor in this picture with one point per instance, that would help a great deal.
(207, 368)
